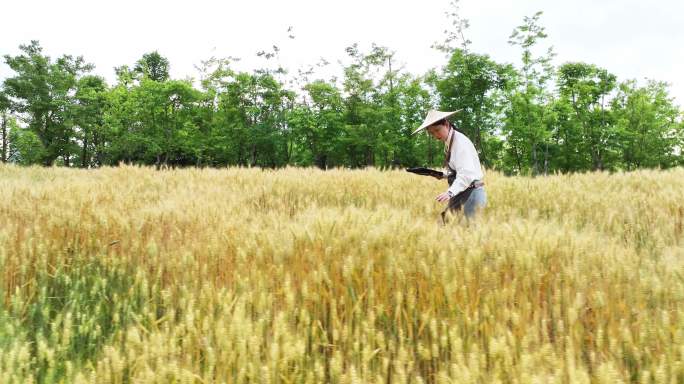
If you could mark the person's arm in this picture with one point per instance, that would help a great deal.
(462, 181)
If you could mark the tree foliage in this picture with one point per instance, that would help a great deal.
(529, 118)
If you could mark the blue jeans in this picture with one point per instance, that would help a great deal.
(477, 200)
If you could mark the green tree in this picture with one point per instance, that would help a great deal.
(214, 141)
(4, 132)
(152, 66)
(371, 122)
(414, 99)
(319, 124)
(252, 110)
(25, 147)
(88, 115)
(181, 130)
(585, 88)
(527, 134)
(154, 122)
(399, 101)
(567, 141)
(475, 84)
(125, 76)
(124, 139)
(648, 124)
(518, 122)
(43, 92)
(359, 136)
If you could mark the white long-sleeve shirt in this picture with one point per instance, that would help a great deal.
(465, 161)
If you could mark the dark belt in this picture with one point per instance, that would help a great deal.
(456, 202)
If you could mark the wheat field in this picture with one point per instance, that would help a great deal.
(131, 275)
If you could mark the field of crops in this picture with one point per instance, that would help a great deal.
(131, 275)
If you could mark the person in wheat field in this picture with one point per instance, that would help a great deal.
(463, 171)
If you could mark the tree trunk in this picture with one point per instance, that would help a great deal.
(322, 161)
(50, 157)
(253, 160)
(517, 157)
(546, 160)
(167, 135)
(370, 157)
(98, 151)
(84, 156)
(535, 163)
(4, 137)
(478, 138)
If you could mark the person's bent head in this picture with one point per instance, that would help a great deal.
(439, 130)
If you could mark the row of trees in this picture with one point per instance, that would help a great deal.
(530, 118)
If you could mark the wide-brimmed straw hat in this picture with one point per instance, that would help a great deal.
(433, 117)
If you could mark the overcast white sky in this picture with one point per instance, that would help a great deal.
(632, 39)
